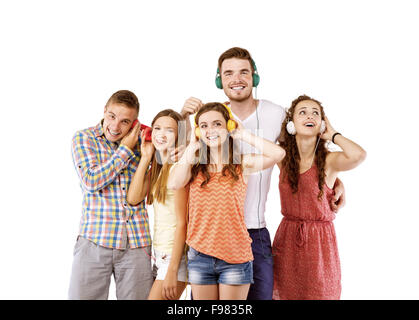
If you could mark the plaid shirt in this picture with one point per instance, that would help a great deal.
(105, 171)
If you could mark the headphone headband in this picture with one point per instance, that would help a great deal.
(231, 124)
(230, 115)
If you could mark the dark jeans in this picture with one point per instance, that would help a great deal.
(263, 276)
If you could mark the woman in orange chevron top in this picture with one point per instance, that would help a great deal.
(220, 255)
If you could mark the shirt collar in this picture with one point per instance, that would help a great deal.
(98, 130)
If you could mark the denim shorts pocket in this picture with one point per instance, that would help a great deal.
(192, 254)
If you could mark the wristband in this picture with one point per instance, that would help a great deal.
(333, 138)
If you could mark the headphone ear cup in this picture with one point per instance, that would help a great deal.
(218, 82)
(291, 128)
(197, 132)
(255, 76)
(323, 127)
(256, 79)
(231, 125)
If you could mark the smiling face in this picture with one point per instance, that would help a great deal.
(307, 118)
(213, 128)
(237, 79)
(164, 133)
(117, 121)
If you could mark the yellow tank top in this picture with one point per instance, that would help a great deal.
(164, 223)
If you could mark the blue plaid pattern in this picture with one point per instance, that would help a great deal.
(105, 170)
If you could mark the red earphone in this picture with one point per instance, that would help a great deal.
(144, 127)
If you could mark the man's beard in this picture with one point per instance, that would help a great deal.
(240, 99)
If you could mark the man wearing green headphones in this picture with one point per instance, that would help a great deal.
(237, 75)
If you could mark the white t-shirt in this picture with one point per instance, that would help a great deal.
(268, 118)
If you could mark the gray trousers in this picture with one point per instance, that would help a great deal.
(94, 265)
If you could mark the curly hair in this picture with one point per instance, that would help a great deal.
(233, 166)
(291, 162)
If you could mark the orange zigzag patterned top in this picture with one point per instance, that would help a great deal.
(216, 218)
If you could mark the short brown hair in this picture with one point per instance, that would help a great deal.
(125, 97)
(238, 53)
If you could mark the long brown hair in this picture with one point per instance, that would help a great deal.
(291, 161)
(233, 166)
(159, 172)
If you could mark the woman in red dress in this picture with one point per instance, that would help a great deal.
(306, 259)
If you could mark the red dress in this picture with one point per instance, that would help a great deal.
(306, 258)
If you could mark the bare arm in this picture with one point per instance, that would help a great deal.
(349, 158)
(170, 281)
(181, 171)
(190, 107)
(140, 183)
(271, 152)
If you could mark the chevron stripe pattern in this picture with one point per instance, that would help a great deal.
(216, 218)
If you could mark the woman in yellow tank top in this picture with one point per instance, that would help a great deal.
(169, 206)
(220, 255)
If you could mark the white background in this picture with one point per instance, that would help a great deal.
(61, 60)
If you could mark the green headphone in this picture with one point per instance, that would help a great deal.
(256, 78)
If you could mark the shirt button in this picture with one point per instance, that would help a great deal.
(123, 188)
(127, 221)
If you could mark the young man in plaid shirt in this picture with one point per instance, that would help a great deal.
(114, 237)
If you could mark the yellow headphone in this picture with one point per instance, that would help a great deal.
(231, 124)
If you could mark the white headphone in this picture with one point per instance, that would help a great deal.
(291, 127)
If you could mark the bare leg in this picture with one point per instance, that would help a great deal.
(205, 292)
(156, 290)
(230, 292)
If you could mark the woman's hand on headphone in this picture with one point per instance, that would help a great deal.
(238, 132)
(329, 132)
(193, 146)
(191, 106)
(177, 153)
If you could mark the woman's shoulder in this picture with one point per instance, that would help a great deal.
(330, 157)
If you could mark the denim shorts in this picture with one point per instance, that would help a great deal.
(204, 269)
